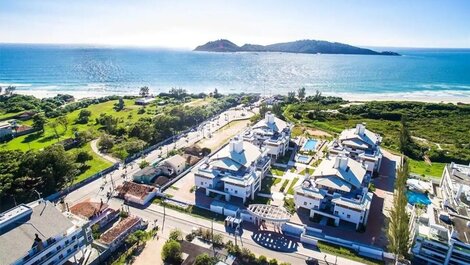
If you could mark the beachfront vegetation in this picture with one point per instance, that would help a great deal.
(435, 132)
(119, 126)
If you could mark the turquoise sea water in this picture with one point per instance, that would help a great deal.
(94, 71)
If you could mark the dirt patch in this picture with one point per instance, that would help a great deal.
(316, 132)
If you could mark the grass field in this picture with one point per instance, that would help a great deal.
(291, 186)
(96, 164)
(422, 168)
(40, 140)
(200, 102)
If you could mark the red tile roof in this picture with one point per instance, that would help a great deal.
(113, 233)
(134, 189)
(88, 209)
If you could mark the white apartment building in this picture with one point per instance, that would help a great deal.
(338, 189)
(236, 170)
(38, 233)
(359, 144)
(441, 232)
(271, 133)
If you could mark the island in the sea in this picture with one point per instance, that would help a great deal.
(299, 46)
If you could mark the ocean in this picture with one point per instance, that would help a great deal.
(86, 71)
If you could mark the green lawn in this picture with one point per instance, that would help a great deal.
(277, 171)
(40, 140)
(291, 186)
(422, 168)
(96, 164)
(345, 253)
(267, 183)
(284, 185)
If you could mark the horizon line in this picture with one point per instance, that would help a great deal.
(155, 46)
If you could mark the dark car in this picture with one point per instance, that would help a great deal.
(311, 261)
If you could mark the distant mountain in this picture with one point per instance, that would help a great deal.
(300, 46)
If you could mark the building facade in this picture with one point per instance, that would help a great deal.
(271, 133)
(338, 189)
(38, 233)
(359, 144)
(236, 170)
(440, 232)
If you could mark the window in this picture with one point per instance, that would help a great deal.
(226, 189)
(236, 191)
(336, 212)
(349, 216)
(305, 203)
(202, 183)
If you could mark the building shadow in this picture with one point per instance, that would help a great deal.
(275, 241)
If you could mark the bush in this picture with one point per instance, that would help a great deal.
(189, 237)
(273, 262)
(171, 252)
(176, 234)
(205, 259)
(262, 260)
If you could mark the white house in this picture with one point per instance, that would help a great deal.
(359, 144)
(6, 129)
(38, 233)
(236, 170)
(173, 165)
(271, 133)
(338, 190)
(144, 101)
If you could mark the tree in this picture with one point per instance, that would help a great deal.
(398, 230)
(171, 252)
(83, 156)
(273, 261)
(64, 121)
(53, 125)
(83, 116)
(277, 110)
(216, 93)
(262, 260)
(1, 89)
(144, 91)
(9, 90)
(205, 259)
(291, 97)
(301, 93)
(405, 137)
(119, 105)
(105, 142)
(143, 164)
(39, 121)
(175, 234)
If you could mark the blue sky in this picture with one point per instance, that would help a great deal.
(186, 24)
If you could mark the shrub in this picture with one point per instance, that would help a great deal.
(189, 237)
(171, 252)
(205, 259)
(176, 234)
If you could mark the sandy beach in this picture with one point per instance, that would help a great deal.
(423, 96)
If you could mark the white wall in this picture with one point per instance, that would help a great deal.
(203, 182)
(305, 202)
(355, 217)
(237, 191)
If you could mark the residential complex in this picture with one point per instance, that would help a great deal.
(337, 189)
(441, 231)
(271, 133)
(236, 170)
(360, 144)
(38, 233)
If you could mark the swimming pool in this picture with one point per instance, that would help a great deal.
(417, 198)
(304, 159)
(310, 145)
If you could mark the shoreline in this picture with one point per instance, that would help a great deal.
(443, 96)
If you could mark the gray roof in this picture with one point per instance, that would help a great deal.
(147, 171)
(175, 161)
(233, 160)
(45, 220)
(369, 138)
(338, 178)
(277, 126)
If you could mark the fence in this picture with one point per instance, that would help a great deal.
(82, 183)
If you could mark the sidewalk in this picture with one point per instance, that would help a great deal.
(95, 149)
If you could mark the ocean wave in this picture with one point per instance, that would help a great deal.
(15, 85)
